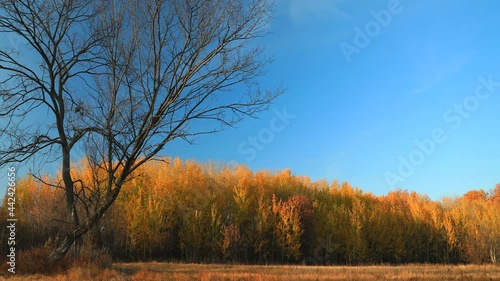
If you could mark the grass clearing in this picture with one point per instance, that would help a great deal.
(206, 272)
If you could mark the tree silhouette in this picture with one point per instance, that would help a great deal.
(118, 80)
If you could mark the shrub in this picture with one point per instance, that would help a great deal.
(36, 261)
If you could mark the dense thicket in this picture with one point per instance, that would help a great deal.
(176, 210)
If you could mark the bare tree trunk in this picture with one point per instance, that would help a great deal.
(79, 230)
(70, 198)
(63, 248)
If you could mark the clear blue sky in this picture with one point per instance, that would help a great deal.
(367, 81)
(355, 119)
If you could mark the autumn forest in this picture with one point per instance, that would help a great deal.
(187, 211)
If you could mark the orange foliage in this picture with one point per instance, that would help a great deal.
(184, 210)
(476, 195)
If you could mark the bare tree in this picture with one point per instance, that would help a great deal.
(119, 81)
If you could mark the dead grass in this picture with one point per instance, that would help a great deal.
(34, 265)
(187, 272)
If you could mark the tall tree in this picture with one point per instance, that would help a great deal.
(288, 229)
(118, 80)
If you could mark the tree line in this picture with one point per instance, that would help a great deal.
(194, 212)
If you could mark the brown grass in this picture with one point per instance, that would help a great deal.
(35, 261)
(34, 265)
(205, 272)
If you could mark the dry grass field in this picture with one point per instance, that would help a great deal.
(176, 271)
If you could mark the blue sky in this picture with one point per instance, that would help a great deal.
(410, 107)
(355, 121)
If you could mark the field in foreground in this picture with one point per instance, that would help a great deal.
(176, 271)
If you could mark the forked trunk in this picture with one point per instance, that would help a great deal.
(79, 230)
(69, 239)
